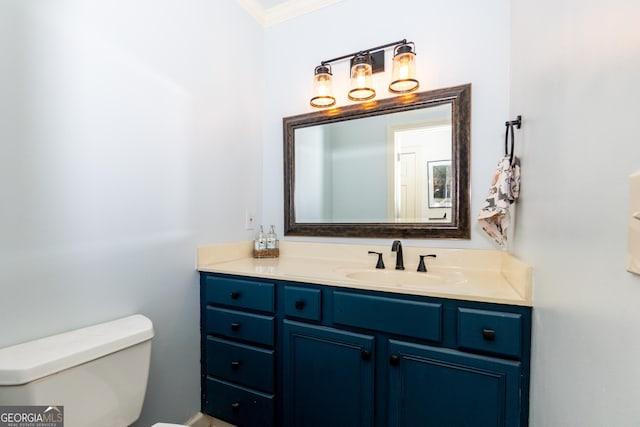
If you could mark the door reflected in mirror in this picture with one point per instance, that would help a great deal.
(398, 167)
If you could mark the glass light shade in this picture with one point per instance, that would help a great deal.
(322, 88)
(361, 79)
(403, 75)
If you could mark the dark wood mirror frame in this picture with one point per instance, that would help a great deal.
(458, 228)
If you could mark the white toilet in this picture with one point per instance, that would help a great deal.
(99, 373)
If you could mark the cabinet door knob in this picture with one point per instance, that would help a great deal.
(235, 295)
(235, 406)
(299, 305)
(394, 360)
(235, 365)
(489, 334)
(366, 355)
(235, 326)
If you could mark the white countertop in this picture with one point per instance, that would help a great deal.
(463, 274)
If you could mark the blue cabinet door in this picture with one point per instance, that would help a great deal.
(328, 377)
(439, 387)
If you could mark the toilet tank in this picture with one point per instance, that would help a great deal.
(98, 373)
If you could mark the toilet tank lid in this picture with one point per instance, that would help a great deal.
(29, 361)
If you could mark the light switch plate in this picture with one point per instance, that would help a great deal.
(633, 259)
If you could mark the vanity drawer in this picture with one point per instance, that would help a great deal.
(247, 365)
(238, 405)
(239, 293)
(490, 331)
(303, 303)
(244, 326)
(397, 316)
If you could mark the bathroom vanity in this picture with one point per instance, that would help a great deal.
(341, 348)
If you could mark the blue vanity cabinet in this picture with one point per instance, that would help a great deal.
(305, 355)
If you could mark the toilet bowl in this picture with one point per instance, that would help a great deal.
(98, 374)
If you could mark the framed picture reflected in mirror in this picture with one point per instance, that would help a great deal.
(439, 183)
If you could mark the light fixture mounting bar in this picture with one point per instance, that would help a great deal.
(328, 61)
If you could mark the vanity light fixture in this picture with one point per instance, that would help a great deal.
(361, 78)
(322, 87)
(364, 64)
(403, 76)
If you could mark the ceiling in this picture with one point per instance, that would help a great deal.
(272, 12)
(270, 3)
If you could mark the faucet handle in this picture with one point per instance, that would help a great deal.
(380, 263)
(421, 266)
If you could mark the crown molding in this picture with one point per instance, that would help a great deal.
(255, 9)
(290, 9)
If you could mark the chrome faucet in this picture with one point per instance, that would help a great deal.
(397, 247)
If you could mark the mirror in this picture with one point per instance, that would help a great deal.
(398, 167)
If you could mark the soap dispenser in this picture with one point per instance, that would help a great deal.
(260, 243)
(272, 243)
(272, 238)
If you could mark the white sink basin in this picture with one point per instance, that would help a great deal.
(408, 278)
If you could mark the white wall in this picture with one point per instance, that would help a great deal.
(128, 137)
(456, 43)
(574, 72)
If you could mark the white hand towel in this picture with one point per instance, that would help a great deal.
(505, 189)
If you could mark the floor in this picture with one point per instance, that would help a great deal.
(202, 420)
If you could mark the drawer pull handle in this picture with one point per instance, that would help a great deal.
(299, 305)
(235, 326)
(489, 334)
(366, 355)
(235, 406)
(235, 365)
(394, 360)
(235, 295)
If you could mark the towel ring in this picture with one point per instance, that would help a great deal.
(510, 125)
